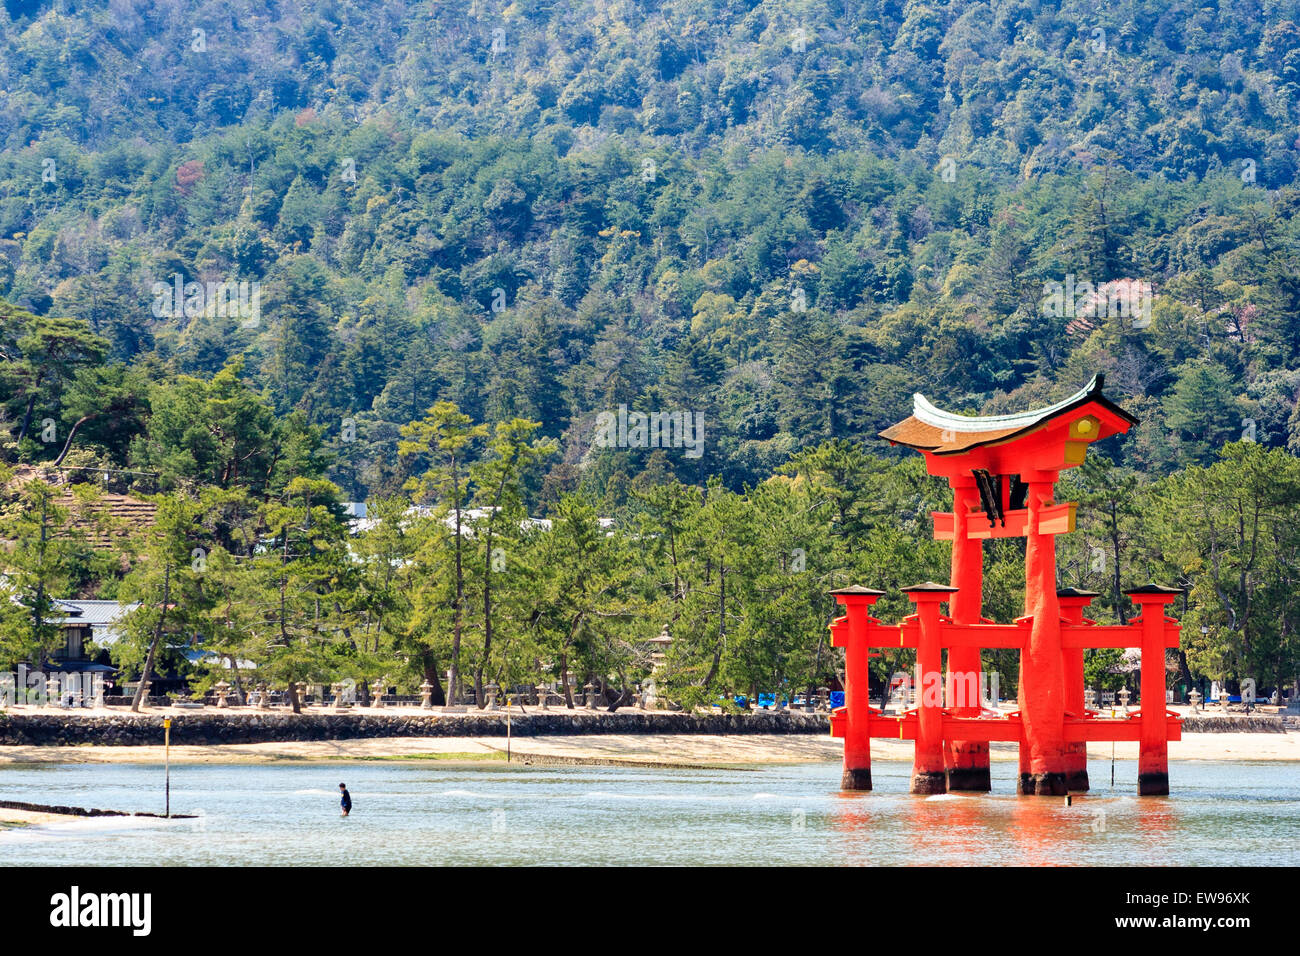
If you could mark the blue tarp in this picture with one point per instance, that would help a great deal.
(81, 667)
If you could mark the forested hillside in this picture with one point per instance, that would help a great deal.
(549, 210)
(247, 245)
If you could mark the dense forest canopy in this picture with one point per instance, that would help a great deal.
(248, 250)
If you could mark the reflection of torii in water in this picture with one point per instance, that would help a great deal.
(1003, 471)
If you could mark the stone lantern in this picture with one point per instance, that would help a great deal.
(1124, 695)
(659, 647)
(543, 693)
(590, 690)
(491, 690)
(426, 696)
(263, 697)
(223, 693)
(1194, 698)
(1089, 699)
(377, 689)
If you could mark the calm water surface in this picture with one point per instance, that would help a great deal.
(421, 813)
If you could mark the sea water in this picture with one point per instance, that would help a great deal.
(418, 813)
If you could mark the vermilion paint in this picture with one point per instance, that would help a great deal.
(967, 761)
(1051, 726)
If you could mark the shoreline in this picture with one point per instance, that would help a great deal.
(684, 751)
(50, 728)
(13, 819)
(226, 726)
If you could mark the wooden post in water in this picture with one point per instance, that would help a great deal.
(929, 774)
(1073, 601)
(167, 767)
(853, 720)
(1153, 753)
(967, 761)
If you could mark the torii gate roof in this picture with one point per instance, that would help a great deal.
(933, 430)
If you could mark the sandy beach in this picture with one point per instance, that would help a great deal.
(672, 750)
(10, 818)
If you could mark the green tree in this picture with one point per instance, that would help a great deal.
(37, 568)
(312, 578)
(167, 584)
(221, 433)
(498, 477)
(1230, 528)
(1202, 410)
(443, 440)
(590, 609)
(43, 355)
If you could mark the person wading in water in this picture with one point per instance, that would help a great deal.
(346, 802)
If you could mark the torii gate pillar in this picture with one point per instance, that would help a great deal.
(929, 773)
(1043, 763)
(852, 632)
(967, 760)
(1073, 601)
(1153, 753)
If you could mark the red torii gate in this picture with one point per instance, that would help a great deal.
(1003, 471)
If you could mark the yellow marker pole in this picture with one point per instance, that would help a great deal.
(507, 730)
(167, 767)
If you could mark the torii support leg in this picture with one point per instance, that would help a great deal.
(967, 760)
(1153, 755)
(857, 698)
(1076, 753)
(1042, 674)
(928, 772)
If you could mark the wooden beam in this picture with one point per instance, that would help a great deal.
(1009, 728)
(1112, 635)
(1055, 519)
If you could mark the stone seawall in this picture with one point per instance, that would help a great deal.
(212, 727)
(248, 728)
(1263, 724)
(84, 811)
